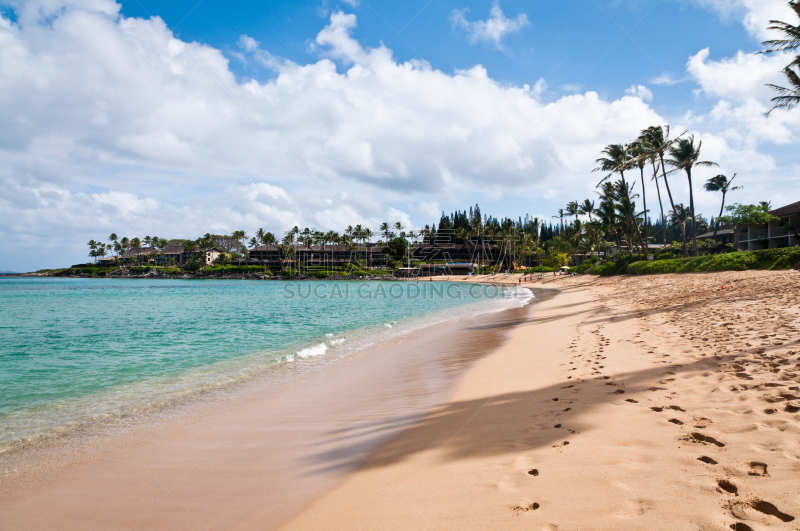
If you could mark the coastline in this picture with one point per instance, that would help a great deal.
(338, 414)
(624, 403)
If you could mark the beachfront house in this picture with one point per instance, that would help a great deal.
(781, 233)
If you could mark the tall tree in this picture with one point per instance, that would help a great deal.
(640, 153)
(561, 217)
(720, 183)
(618, 159)
(573, 209)
(658, 144)
(684, 155)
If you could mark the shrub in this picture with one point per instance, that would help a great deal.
(319, 274)
(613, 268)
(771, 259)
(539, 269)
(588, 264)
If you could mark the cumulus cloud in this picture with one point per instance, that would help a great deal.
(641, 92)
(491, 30)
(156, 135)
(754, 14)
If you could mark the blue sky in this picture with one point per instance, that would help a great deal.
(180, 118)
(602, 45)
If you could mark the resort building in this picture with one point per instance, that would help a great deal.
(321, 255)
(781, 233)
(171, 255)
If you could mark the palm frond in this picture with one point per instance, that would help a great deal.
(787, 97)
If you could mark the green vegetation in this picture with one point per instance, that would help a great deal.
(235, 269)
(539, 269)
(613, 268)
(771, 259)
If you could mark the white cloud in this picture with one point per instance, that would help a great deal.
(755, 14)
(641, 92)
(248, 44)
(665, 78)
(742, 77)
(491, 30)
(174, 144)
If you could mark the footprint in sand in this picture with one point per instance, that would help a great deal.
(758, 469)
(533, 472)
(698, 437)
(620, 391)
(676, 421)
(768, 508)
(707, 460)
(526, 508)
(701, 422)
(631, 400)
(727, 487)
(657, 409)
(741, 526)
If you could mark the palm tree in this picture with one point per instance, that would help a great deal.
(561, 216)
(720, 183)
(640, 153)
(790, 42)
(573, 209)
(787, 97)
(618, 159)
(136, 243)
(791, 34)
(683, 156)
(386, 231)
(658, 144)
(680, 215)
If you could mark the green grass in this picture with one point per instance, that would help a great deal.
(769, 259)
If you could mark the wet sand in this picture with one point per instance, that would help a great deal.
(252, 457)
(659, 402)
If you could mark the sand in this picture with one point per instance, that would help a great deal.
(659, 402)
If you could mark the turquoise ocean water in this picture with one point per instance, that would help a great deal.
(76, 351)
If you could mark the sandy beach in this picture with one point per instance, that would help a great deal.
(624, 403)
(660, 402)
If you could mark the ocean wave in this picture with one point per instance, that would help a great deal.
(309, 352)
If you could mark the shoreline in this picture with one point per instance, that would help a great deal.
(368, 389)
(625, 403)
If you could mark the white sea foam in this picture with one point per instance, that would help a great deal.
(309, 352)
(337, 341)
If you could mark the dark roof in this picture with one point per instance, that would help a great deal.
(137, 251)
(787, 210)
(720, 232)
(172, 249)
